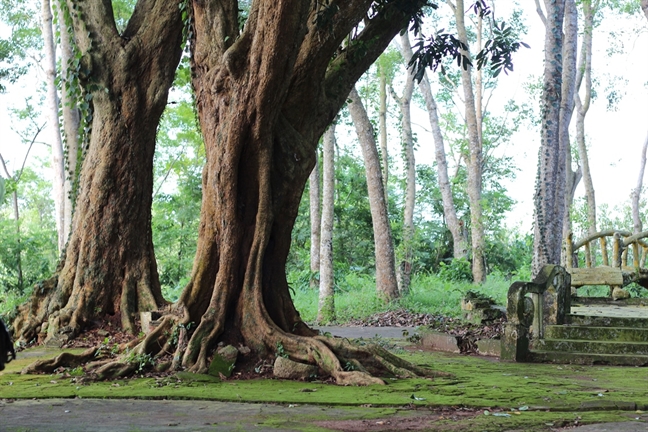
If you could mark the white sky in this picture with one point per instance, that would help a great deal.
(614, 138)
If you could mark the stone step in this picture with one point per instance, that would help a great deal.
(607, 321)
(614, 334)
(589, 358)
(592, 347)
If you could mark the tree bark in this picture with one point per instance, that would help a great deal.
(549, 197)
(109, 267)
(71, 124)
(644, 7)
(407, 248)
(569, 91)
(386, 282)
(459, 244)
(382, 128)
(316, 223)
(636, 193)
(264, 97)
(475, 158)
(326, 308)
(582, 106)
(52, 104)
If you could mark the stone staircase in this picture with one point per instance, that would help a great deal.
(546, 325)
(591, 339)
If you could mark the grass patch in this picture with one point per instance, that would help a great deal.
(356, 298)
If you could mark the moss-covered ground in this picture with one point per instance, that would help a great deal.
(503, 396)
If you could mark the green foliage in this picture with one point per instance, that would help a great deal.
(24, 41)
(429, 293)
(35, 244)
(178, 189)
(457, 271)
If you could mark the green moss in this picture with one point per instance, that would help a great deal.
(554, 394)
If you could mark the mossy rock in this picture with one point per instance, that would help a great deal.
(224, 361)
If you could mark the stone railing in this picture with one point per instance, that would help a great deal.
(532, 305)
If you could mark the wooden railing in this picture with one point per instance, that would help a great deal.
(617, 262)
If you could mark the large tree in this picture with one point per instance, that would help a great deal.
(109, 268)
(264, 96)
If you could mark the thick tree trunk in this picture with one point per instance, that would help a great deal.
(386, 282)
(52, 103)
(475, 159)
(109, 267)
(636, 193)
(264, 97)
(549, 198)
(326, 309)
(316, 223)
(459, 244)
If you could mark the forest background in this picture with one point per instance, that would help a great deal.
(615, 132)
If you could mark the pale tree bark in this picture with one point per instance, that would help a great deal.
(549, 197)
(475, 158)
(382, 128)
(459, 243)
(386, 283)
(569, 90)
(636, 193)
(71, 124)
(582, 106)
(644, 7)
(326, 307)
(407, 249)
(52, 110)
(315, 221)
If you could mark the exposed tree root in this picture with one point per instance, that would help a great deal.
(62, 360)
(346, 362)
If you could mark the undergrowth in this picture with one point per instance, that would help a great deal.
(355, 296)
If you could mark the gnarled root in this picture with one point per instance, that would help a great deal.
(62, 360)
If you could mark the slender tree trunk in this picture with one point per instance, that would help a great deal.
(52, 103)
(475, 158)
(386, 283)
(71, 124)
(404, 102)
(460, 246)
(326, 308)
(549, 198)
(582, 107)
(382, 122)
(636, 193)
(316, 222)
(569, 90)
(109, 269)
